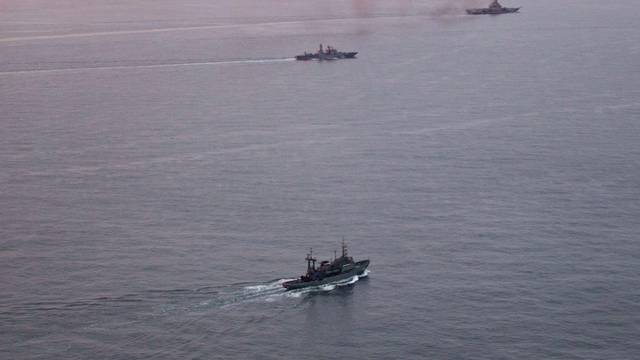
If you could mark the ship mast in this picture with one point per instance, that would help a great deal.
(344, 248)
(311, 261)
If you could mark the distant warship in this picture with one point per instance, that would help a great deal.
(329, 53)
(494, 9)
(340, 268)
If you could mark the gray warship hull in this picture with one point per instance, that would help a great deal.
(334, 56)
(327, 54)
(490, 11)
(357, 269)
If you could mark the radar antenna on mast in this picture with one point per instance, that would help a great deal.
(344, 248)
(311, 261)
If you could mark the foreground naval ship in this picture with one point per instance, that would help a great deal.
(329, 53)
(340, 268)
(494, 9)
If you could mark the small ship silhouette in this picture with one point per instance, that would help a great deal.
(329, 53)
(494, 9)
(340, 268)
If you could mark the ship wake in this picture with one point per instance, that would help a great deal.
(99, 67)
(272, 291)
(243, 293)
(327, 287)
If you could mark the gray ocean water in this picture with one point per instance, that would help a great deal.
(164, 166)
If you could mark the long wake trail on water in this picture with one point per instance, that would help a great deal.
(147, 66)
(180, 300)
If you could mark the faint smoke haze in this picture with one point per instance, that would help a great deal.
(454, 7)
(433, 8)
(369, 8)
(361, 8)
(19, 18)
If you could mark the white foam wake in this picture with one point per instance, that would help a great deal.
(327, 287)
(349, 281)
(266, 287)
(273, 290)
(257, 26)
(150, 66)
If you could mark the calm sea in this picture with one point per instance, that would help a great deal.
(165, 165)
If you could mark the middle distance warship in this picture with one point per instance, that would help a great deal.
(341, 268)
(494, 9)
(330, 53)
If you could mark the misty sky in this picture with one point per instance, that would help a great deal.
(21, 17)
